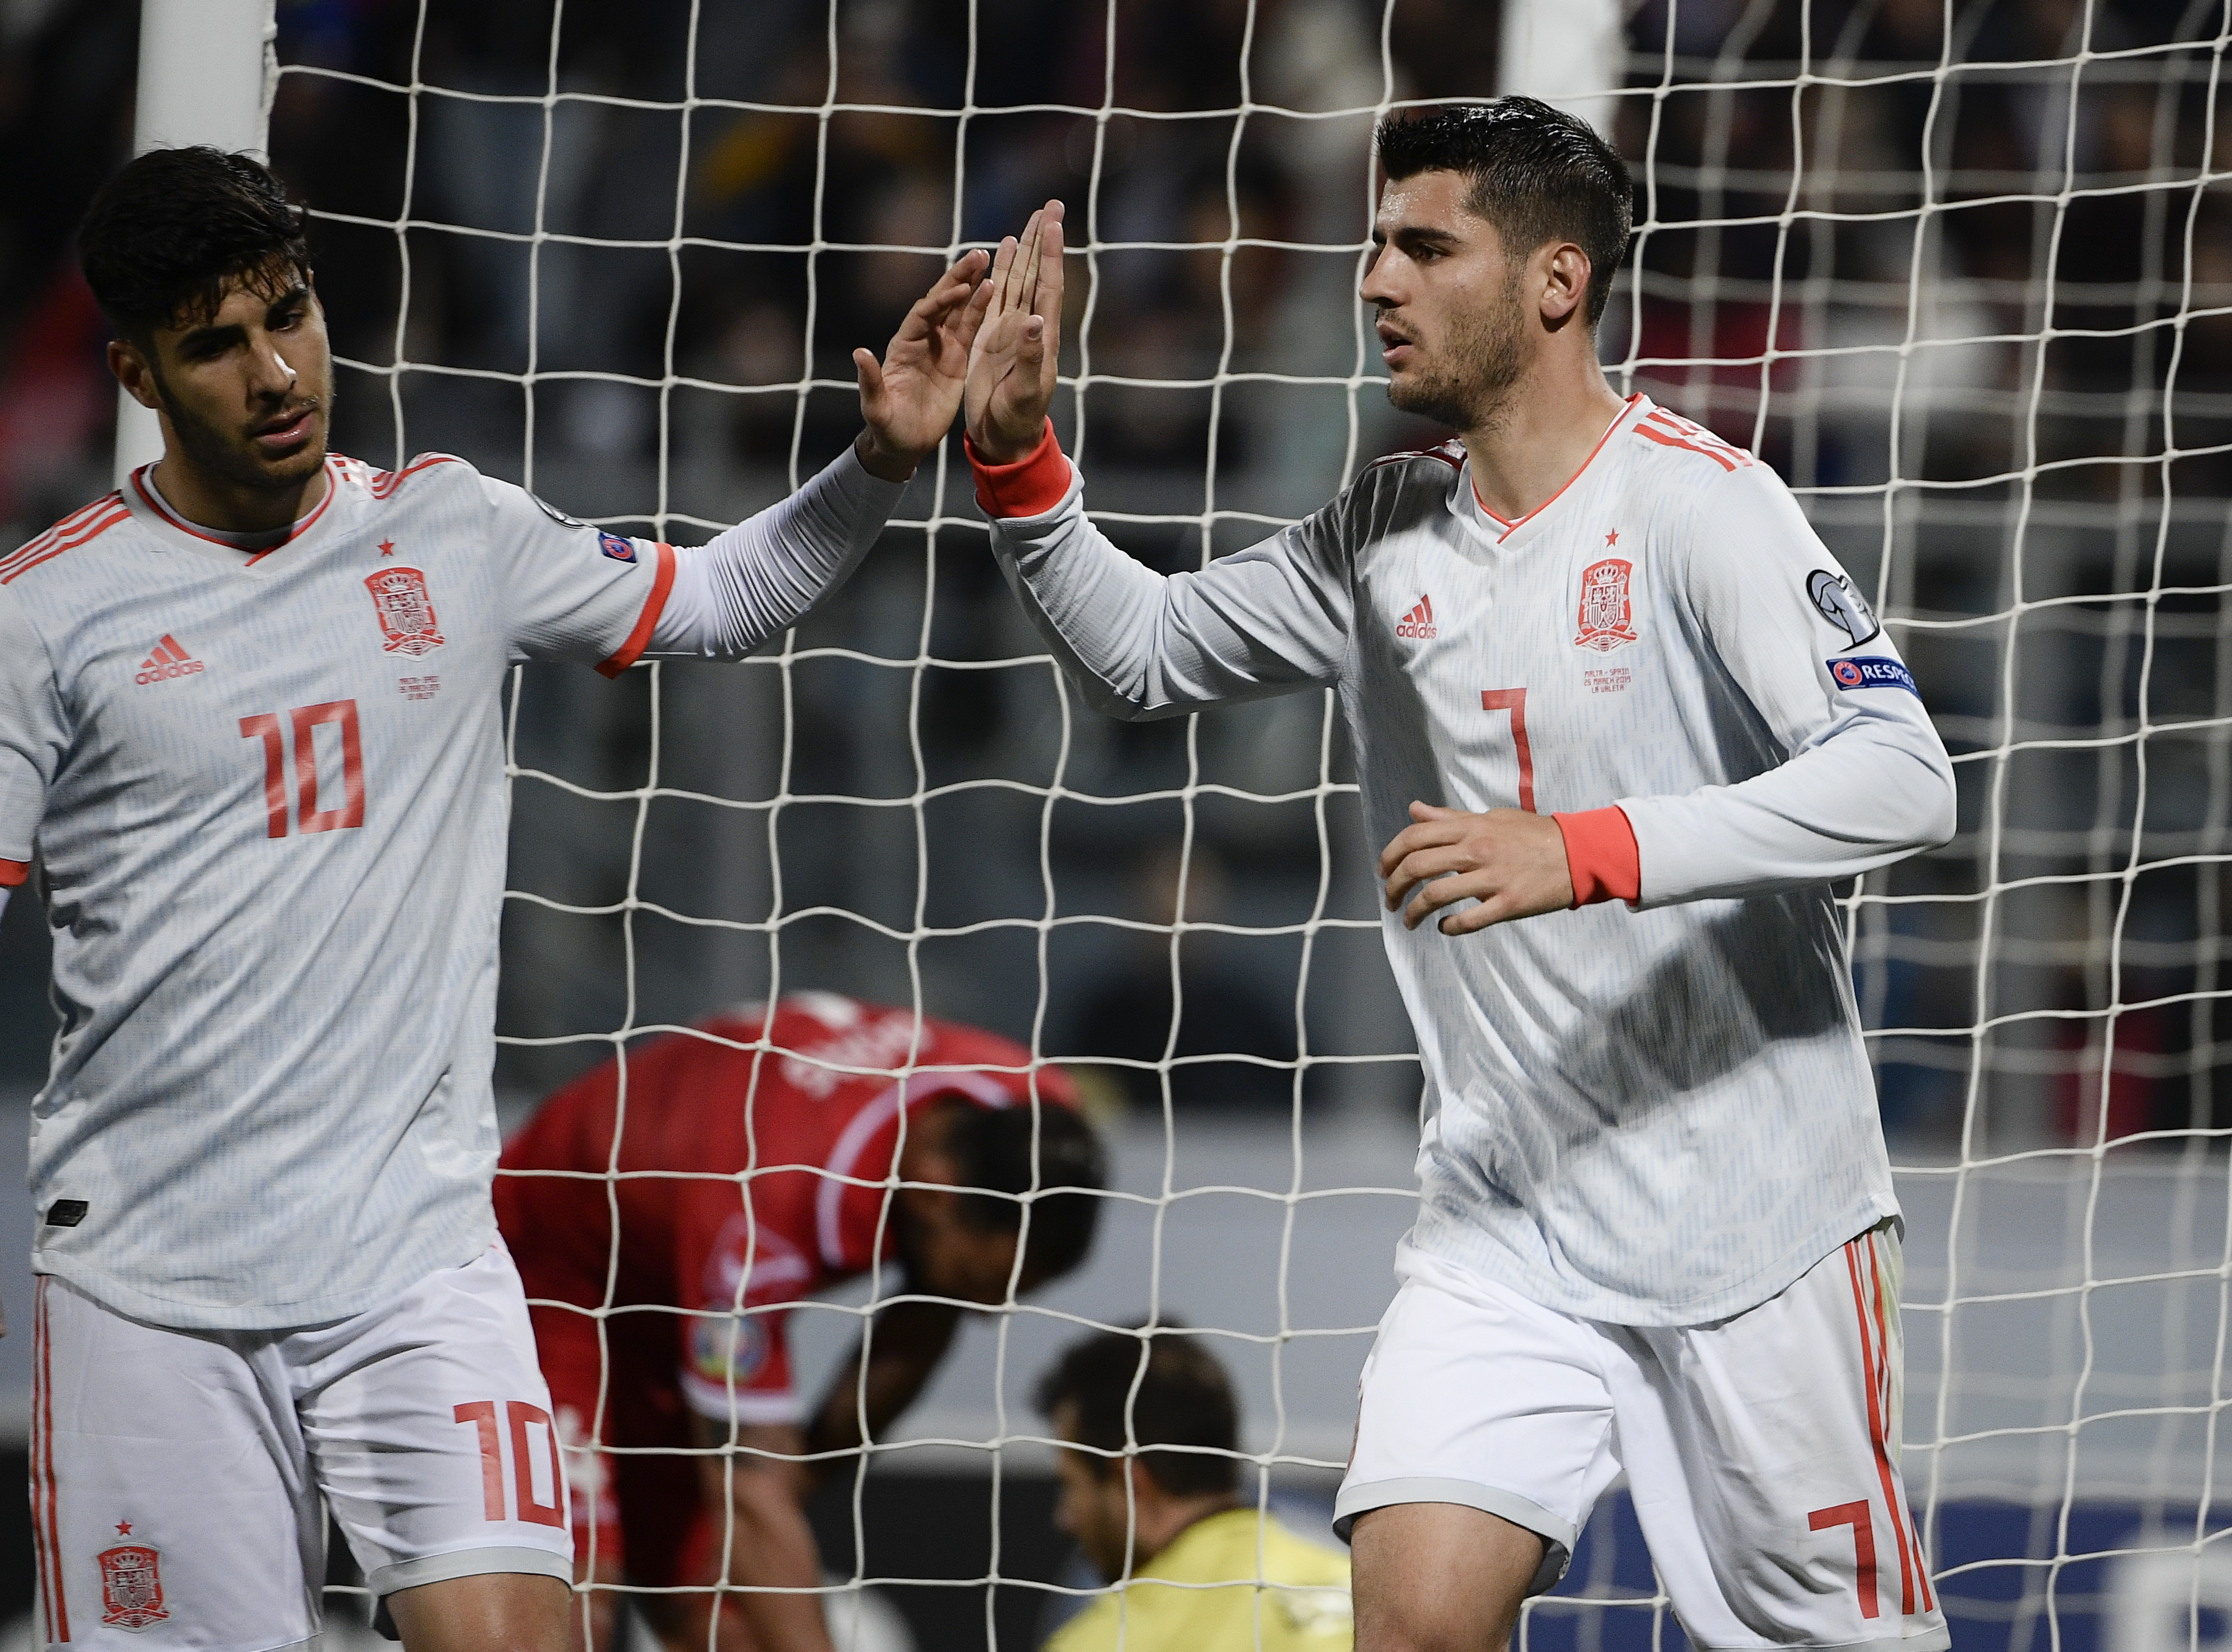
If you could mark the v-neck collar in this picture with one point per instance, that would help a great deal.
(1468, 505)
(147, 505)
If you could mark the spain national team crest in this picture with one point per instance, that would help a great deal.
(406, 612)
(131, 1586)
(1607, 617)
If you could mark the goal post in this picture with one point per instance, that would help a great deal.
(207, 71)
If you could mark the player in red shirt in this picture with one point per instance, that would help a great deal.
(854, 1137)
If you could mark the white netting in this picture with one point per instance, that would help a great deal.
(1960, 272)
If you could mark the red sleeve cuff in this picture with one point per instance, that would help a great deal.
(1032, 486)
(1601, 854)
(662, 582)
(14, 872)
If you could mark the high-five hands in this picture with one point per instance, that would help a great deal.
(1011, 370)
(908, 399)
(1511, 861)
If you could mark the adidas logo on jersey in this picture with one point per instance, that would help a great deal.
(169, 659)
(1418, 624)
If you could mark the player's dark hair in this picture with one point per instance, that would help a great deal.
(994, 1147)
(165, 235)
(1182, 1398)
(1538, 174)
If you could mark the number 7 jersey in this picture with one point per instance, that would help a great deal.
(1660, 1114)
(268, 793)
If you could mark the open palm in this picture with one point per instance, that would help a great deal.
(908, 400)
(1011, 368)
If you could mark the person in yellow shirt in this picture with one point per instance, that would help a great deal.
(1150, 1482)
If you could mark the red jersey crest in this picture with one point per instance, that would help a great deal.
(1607, 618)
(406, 612)
(131, 1586)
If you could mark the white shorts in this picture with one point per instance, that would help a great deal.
(1761, 1450)
(179, 1479)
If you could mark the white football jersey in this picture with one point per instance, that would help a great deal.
(1655, 1115)
(268, 791)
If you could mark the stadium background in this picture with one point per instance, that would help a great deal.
(643, 336)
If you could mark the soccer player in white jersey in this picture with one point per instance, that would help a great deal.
(249, 723)
(1619, 720)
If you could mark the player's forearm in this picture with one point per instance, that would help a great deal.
(1877, 792)
(909, 1341)
(771, 1548)
(765, 575)
(1142, 644)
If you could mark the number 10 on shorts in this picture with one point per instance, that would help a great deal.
(528, 1423)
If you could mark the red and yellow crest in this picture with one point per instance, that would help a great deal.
(406, 612)
(131, 1586)
(1607, 618)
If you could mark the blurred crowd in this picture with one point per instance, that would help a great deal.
(1972, 302)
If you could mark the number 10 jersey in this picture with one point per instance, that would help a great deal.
(268, 791)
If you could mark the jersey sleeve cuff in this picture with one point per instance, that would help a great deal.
(1602, 855)
(1032, 486)
(751, 1406)
(662, 582)
(13, 873)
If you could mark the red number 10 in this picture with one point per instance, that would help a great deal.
(264, 725)
(1515, 701)
(482, 1415)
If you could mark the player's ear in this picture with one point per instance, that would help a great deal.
(1564, 284)
(134, 371)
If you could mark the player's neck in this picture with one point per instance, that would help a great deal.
(1553, 419)
(227, 508)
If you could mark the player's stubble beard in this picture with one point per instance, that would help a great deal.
(1468, 388)
(219, 453)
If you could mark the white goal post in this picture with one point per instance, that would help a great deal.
(207, 71)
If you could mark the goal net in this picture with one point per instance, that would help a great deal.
(1962, 272)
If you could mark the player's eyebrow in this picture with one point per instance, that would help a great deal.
(1416, 235)
(212, 338)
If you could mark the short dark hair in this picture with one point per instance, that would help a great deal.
(1184, 1399)
(1538, 174)
(996, 1148)
(165, 235)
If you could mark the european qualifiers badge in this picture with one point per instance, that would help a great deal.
(131, 1584)
(1607, 618)
(613, 545)
(406, 612)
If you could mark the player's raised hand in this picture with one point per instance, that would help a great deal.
(1011, 370)
(1512, 861)
(908, 399)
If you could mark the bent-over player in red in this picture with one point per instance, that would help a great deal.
(852, 1138)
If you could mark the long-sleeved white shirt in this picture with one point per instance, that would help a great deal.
(1659, 1113)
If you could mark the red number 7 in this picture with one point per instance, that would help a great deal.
(1855, 1515)
(1515, 701)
